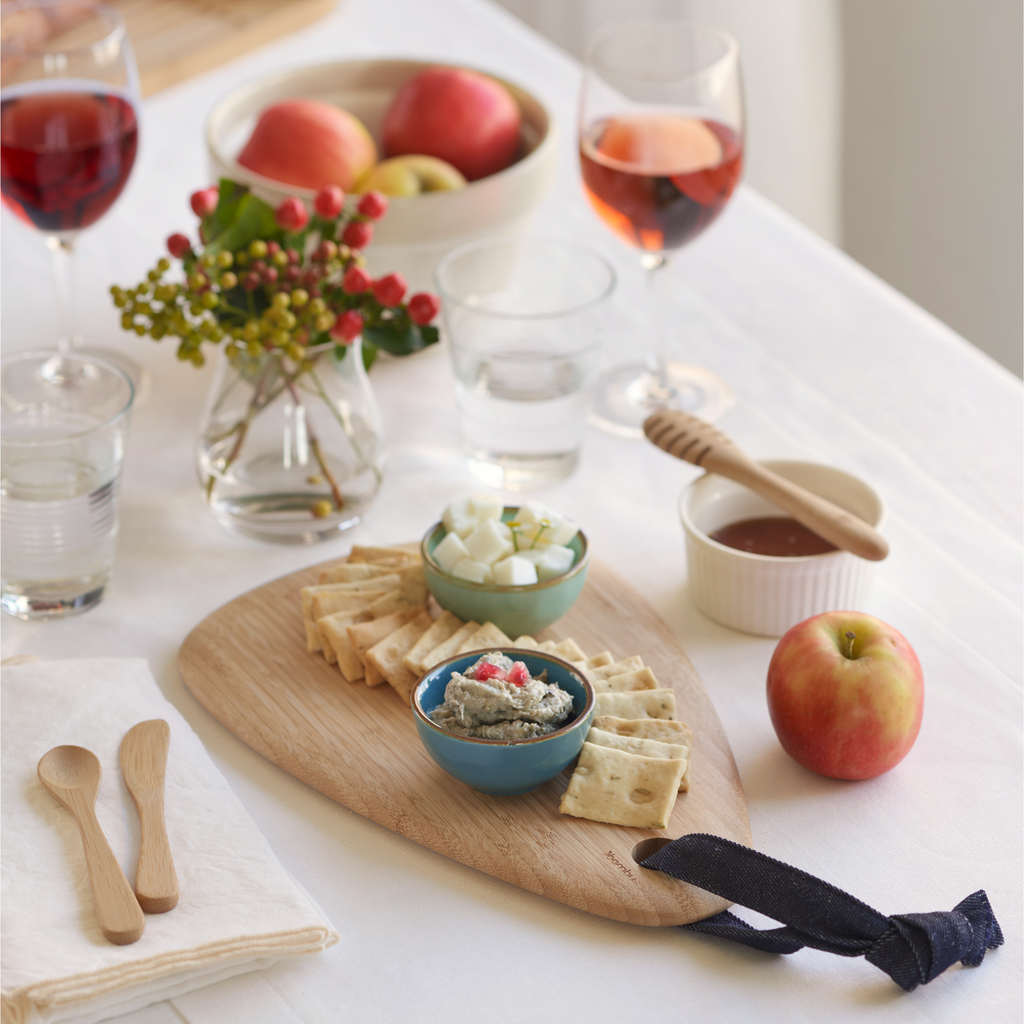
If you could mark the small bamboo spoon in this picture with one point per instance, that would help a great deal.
(72, 775)
(143, 764)
(693, 440)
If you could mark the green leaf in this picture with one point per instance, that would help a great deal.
(253, 218)
(230, 194)
(369, 355)
(400, 338)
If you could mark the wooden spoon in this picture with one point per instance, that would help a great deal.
(143, 764)
(693, 440)
(72, 775)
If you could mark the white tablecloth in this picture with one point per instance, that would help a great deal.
(828, 363)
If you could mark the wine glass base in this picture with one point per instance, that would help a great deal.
(627, 395)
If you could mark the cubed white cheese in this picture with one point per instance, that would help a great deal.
(514, 572)
(485, 506)
(557, 560)
(532, 512)
(537, 520)
(450, 551)
(475, 572)
(489, 542)
(526, 533)
(532, 555)
(459, 518)
(561, 532)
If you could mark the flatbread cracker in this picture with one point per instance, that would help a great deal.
(488, 635)
(440, 630)
(621, 788)
(347, 572)
(527, 643)
(626, 682)
(630, 664)
(447, 648)
(393, 601)
(334, 638)
(349, 601)
(400, 552)
(604, 658)
(569, 650)
(387, 656)
(373, 676)
(638, 704)
(364, 635)
(652, 729)
(308, 593)
(642, 748)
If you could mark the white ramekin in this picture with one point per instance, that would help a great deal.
(762, 594)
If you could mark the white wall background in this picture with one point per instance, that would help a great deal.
(891, 127)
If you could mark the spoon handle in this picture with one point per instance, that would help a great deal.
(119, 914)
(836, 525)
(144, 765)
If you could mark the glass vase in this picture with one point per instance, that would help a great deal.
(289, 452)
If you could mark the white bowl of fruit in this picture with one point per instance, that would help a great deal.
(460, 154)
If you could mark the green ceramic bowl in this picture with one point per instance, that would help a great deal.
(514, 610)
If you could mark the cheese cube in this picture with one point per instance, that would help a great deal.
(474, 572)
(514, 572)
(537, 520)
(562, 531)
(485, 506)
(533, 512)
(532, 555)
(489, 542)
(449, 551)
(459, 518)
(555, 561)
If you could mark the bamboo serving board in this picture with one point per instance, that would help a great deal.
(176, 39)
(247, 665)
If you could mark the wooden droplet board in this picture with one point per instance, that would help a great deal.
(247, 665)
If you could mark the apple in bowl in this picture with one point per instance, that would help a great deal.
(845, 695)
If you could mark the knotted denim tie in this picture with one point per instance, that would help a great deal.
(911, 948)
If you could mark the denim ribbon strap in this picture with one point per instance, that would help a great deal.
(911, 948)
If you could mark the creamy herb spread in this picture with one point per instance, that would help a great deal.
(498, 699)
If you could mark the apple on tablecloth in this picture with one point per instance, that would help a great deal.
(846, 695)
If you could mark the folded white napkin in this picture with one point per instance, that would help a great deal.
(239, 910)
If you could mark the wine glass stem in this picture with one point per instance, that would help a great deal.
(61, 250)
(656, 265)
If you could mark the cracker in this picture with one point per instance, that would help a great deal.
(334, 637)
(358, 601)
(347, 572)
(387, 656)
(398, 553)
(638, 704)
(393, 601)
(604, 658)
(652, 729)
(373, 676)
(527, 643)
(630, 664)
(488, 635)
(621, 788)
(308, 593)
(447, 648)
(365, 634)
(569, 650)
(643, 748)
(443, 628)
(626, 682)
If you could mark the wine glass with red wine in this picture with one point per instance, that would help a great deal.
(661, 150)
(69, 97)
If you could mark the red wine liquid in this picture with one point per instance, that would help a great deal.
(659, 181)
(772, 535)
(65, 156)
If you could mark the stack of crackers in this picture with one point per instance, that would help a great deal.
(636, 757)
(368, 615)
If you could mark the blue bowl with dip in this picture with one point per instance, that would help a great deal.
(515, 610)
(502, 767)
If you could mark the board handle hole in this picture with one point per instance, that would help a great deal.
(648, 847)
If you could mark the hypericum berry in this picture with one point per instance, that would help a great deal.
(348, 327)
(357, 234)
(281, 301)
(204, 202)
(373, 205)
(356, 281)
(325, 321)
(299, 298)
(326, 250)
(251, 281)
(257, 249)
(269, 276)
(423, 307)
(228, 280)
(224, 259)
(388, 291)
(292, 214)
(179, 246)
(273, 248)
(328, 201)
(294, 256)
(259, 266)
(292, 274)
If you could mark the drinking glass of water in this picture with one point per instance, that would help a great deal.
(63, 426)
(525, 322)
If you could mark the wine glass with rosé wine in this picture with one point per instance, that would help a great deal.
(69, 99)
(661, 151)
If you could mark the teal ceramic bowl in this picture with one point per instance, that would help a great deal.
(514, 610)
(496, 766)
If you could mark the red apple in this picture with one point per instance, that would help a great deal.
(309, 144)
(846, 695)
(462, 117)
